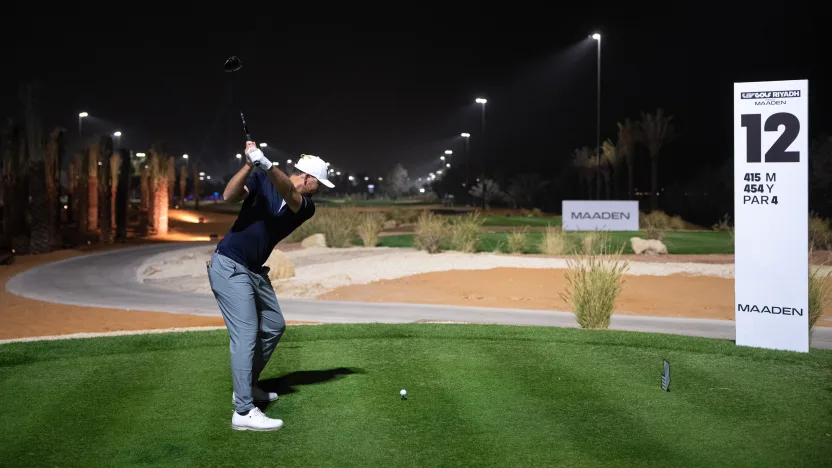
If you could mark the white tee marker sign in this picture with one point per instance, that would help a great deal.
(771, 207)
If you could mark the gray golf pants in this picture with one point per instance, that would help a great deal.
(253, 318)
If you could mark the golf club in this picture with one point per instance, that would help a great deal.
(233, 64)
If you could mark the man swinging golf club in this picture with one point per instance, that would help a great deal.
(274, 205)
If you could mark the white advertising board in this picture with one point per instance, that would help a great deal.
(600, 215)
(771, 214)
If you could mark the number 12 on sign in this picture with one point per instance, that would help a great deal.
(777, 152)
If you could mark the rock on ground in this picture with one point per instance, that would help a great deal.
(648, 246)
(280, 267)
(315, 240)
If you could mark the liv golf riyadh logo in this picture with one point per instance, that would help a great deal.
(770, 98)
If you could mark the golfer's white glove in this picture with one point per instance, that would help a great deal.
(256, 156)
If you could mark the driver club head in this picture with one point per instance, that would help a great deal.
(232, 64)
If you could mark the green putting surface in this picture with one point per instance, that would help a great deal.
(477, 396)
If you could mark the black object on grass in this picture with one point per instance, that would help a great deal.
(666, 376)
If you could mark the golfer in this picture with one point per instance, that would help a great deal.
(274, 205)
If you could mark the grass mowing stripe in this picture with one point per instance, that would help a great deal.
(502, 413)
(755, 392)
(185, 383)
(588, 417)
(93, 413)
(441, 423)
(478, 395)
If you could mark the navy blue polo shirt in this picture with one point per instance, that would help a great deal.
(264, 220)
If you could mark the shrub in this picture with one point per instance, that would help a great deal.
(820, 296)
(339, 226)
(553, 241)
(653, 233)
(516, 241)
(660, 220)
(595, 284)
(533, 213)
(402, 215)
(465, 232)
(677, 223)
(311, 226)
(594, 242)
(369, 225)
(430, 230)
(820, 233)
(724, 225)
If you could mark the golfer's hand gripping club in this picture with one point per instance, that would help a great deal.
(257, 157)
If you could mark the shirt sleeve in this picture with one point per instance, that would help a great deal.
(307, 209)
(255, 179)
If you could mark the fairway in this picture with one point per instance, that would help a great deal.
(520, 221)
(677, 242)
(477, 396)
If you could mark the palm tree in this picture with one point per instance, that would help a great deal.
(105, 152)
(77, 189)
(40, 230)
(183, 180)
(196, 186)
(612, 165)
(654, 132)
(627, 135)
(115, 165)
(93, 156)
(10, 182)
(171, 172)
(159, 167)
(487, 190)
(584, 161)
(52, 159)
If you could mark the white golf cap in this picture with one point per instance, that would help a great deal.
(316, 167)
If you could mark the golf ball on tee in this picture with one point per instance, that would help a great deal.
(403, 392)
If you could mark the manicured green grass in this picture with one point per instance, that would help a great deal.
(478, 395)
(677, 242)
(522, 221)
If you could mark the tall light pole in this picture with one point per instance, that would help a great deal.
(482, 101)
(80, 129)
(117, 134)
(597, 37)
(466, 136)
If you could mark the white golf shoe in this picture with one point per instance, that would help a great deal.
(255, 420)
(257, 394)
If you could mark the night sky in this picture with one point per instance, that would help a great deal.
(366, 98)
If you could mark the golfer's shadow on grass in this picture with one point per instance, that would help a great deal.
(286, 384)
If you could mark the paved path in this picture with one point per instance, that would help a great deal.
(109, 280)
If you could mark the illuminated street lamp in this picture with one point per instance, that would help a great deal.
(449, 152)
(263, 145)
(442, 157)
(465, 135)
(80, 128)
(597, 37)
(139, 155)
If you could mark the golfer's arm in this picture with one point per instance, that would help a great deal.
(236, 189)
(285, 188)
